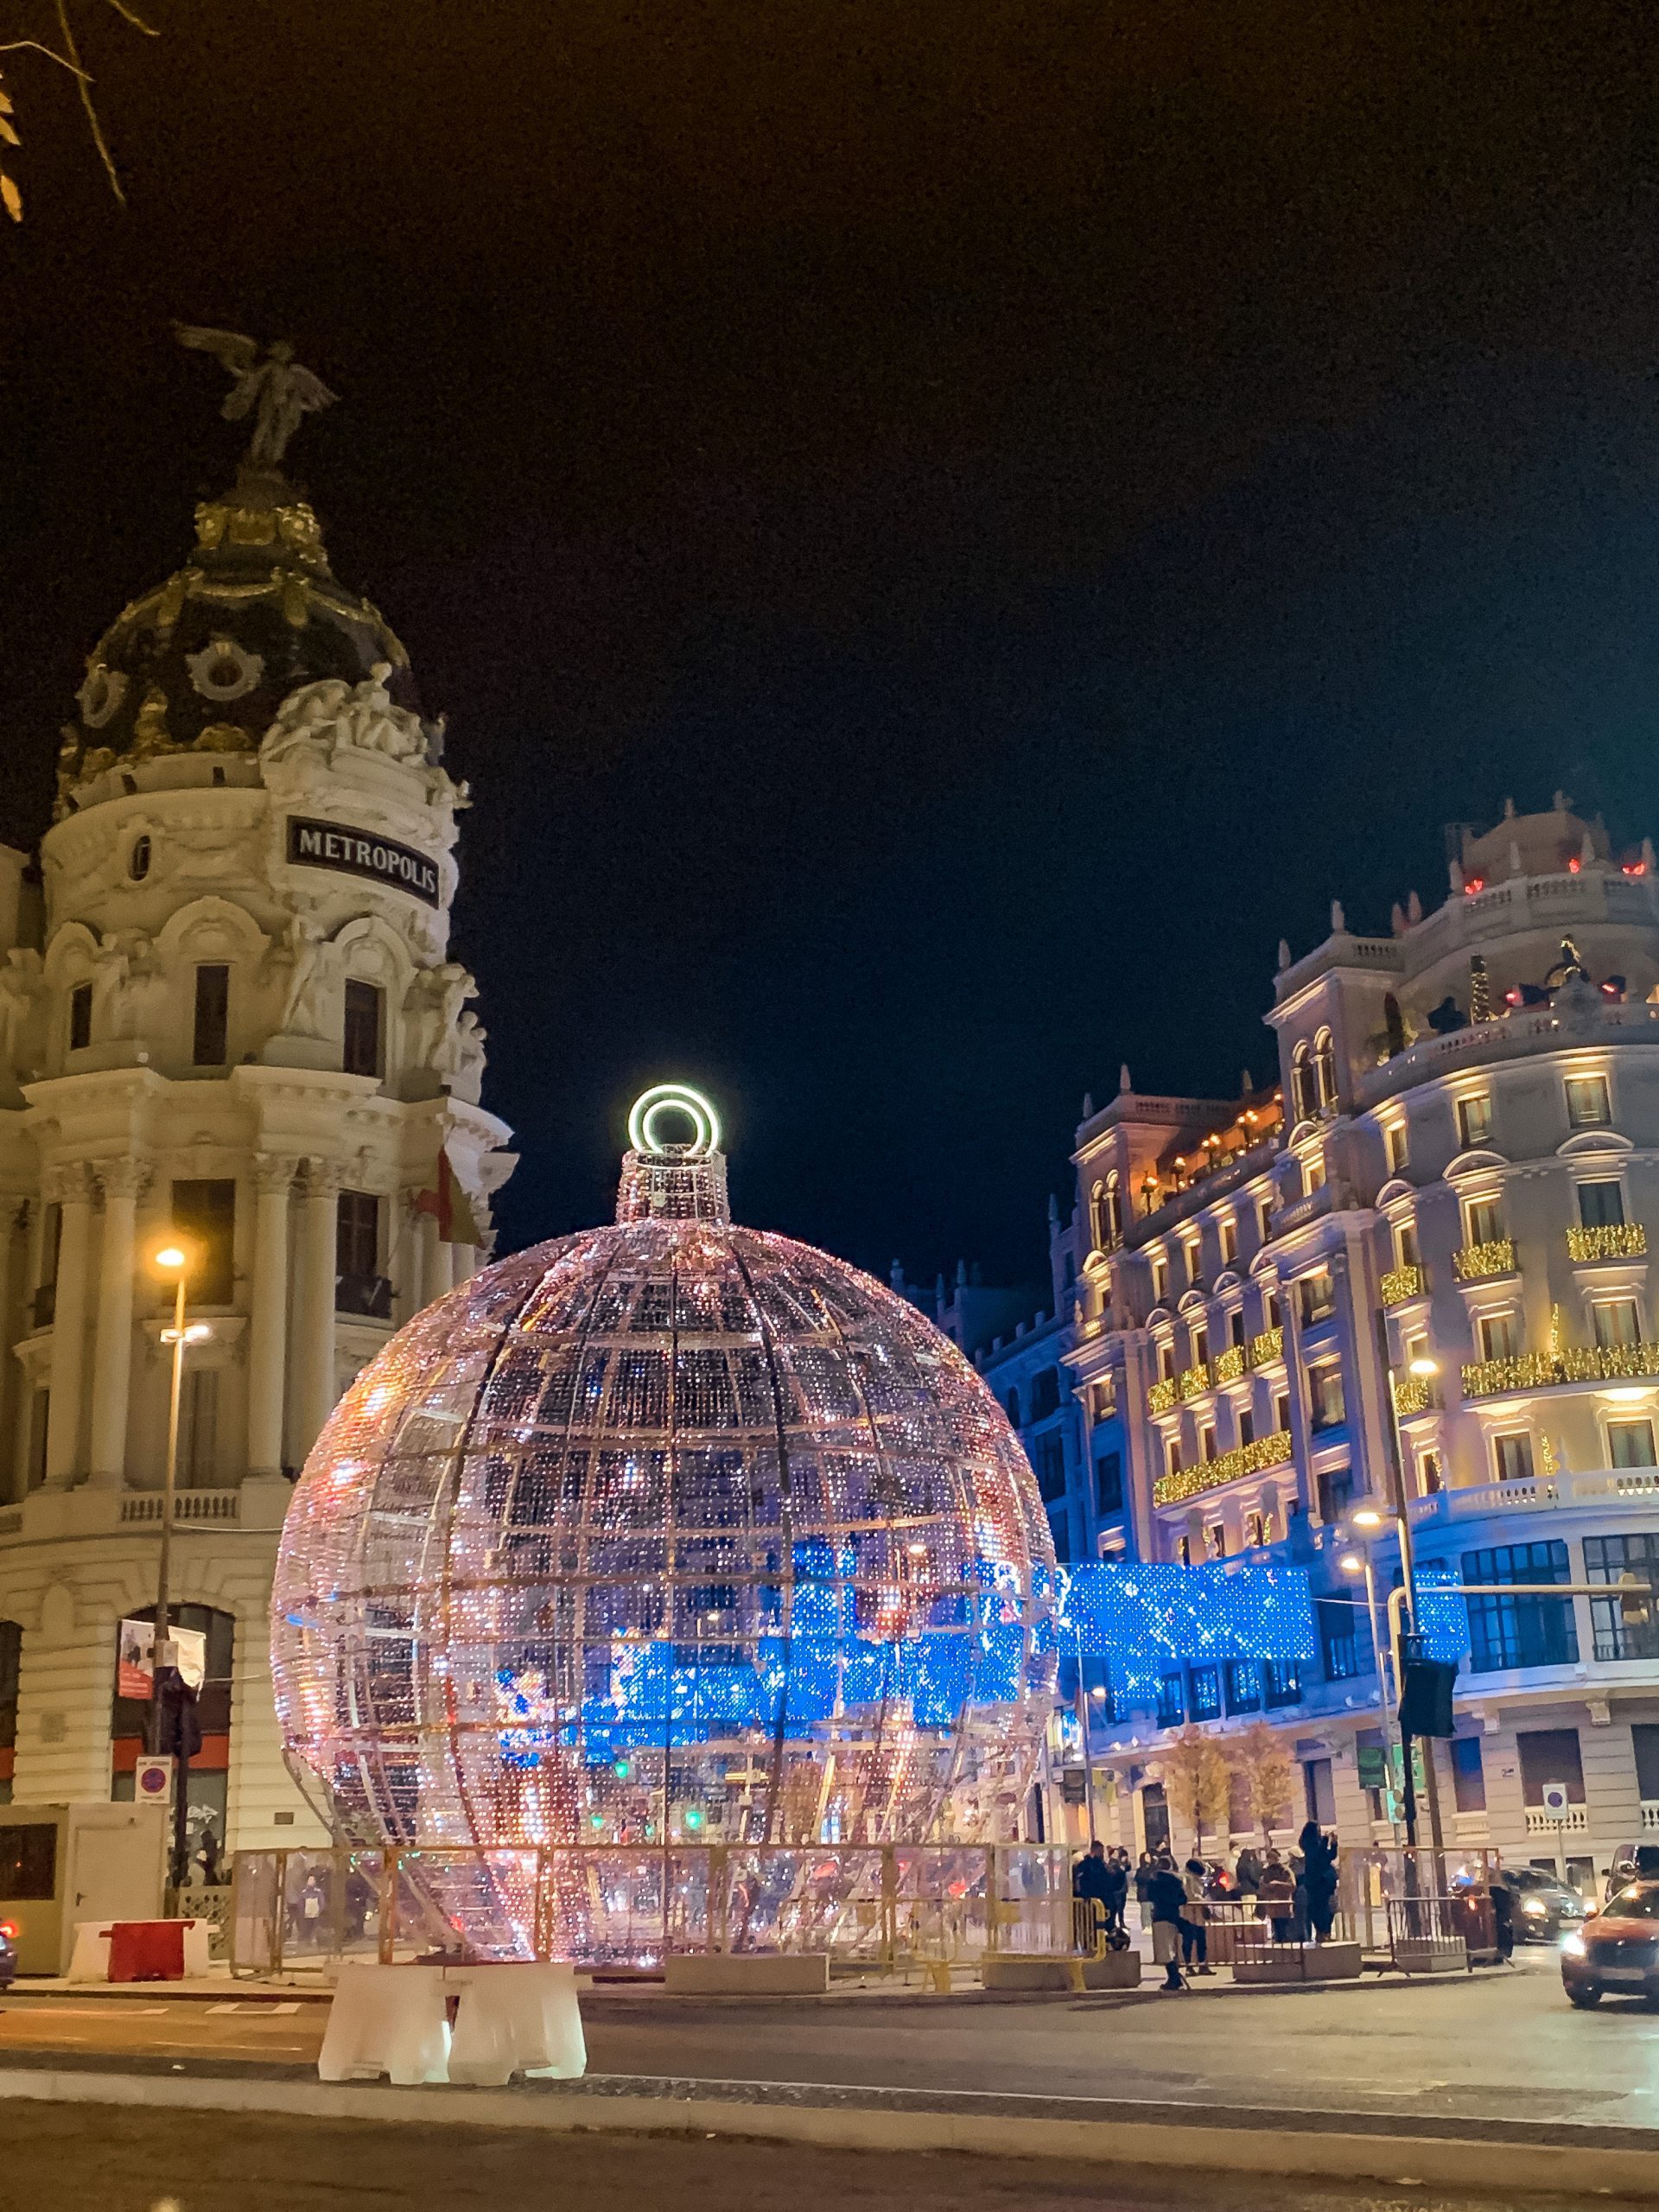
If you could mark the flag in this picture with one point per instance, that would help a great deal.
(450, 1203)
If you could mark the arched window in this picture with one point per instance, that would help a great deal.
(139, 860)
(1324, 1070)
(1302, 1096)
(210, 1766)
(1114, 1212)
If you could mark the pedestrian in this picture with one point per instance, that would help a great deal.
(1091, 1885)
(1503, 1917)
(1166, 1902)
(207, 1856)
(1246, 1872)
(1143, 1873)
(1276, 1896)
(1318, 1885)
(1195, 1915)
(1117, 1891)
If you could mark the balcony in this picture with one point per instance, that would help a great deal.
(1612, 1240)
(1245, 1460)
(1403, 1283)
(1540, 1370)
(1631, 1486)
(1164, 1395)
(1193, 1382)
(1414, 1394)
(1267, 1347)
(1575, 1820)
(191, 1505)
(1229, 1364)
(1477, 1263)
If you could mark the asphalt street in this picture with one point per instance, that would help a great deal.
(1489, 2046)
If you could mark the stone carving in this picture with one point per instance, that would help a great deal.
(311, 961)
(21, 982)
(332, 713)
(432, 1012)
(122, 1179)
(223, 670)
(123, 969)
(100, 695)
(273, 1173)
(462, 1059)
(277, 392)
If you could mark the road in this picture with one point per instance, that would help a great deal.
(80, 2159)
(1489, 2046)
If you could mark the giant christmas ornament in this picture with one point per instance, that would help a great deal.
(669, 1534)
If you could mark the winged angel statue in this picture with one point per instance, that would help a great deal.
(277, 392)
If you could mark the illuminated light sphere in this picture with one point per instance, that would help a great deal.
(669, 1532)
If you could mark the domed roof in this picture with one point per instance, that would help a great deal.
(204, 661)
(670, 1530)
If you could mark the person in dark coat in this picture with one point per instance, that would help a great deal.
(1503, 1898)
(1117, 1892)
(1090, 1884)
(1318, 1879)
(1248, 1872)
(1166, 1897)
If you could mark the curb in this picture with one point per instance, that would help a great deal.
(1101, 2134)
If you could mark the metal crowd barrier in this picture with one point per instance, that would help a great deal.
(884, 1906)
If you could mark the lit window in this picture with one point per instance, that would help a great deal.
(1264, 1220)
(1616, 1321)
(1191, 1253)
(1588, 1105)
(1482, 1221)
(1165, 1361)
(1325, 1396)
(1405, 1245)
(1313, 1172)
(1318, 1295)
(1475, 1119)
(1601, 1206)
(1499, 1336)
(1629, 1444)
(1395, 1144)
(1215, 1538)
(1200, 1345)
(1514, 1456)
(1159, 1279)
(1430, 1479)
(1207, 1442)
(1229, 1240)
(1171, 1455)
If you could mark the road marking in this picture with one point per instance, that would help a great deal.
(224, 2008)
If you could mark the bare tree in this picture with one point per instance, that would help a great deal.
(1267, 1769)
(66, 54)
(1196, 1780)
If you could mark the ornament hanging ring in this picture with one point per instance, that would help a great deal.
(673, 1098)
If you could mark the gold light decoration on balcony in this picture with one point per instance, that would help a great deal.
(1475, 1262)
(1229, 1364)
(1522, 1370)
(1609, 1363)
(1533, 1370)
(1161, 1398)
(1194, 1381)
(1267, 1347)
(1610, 1240)
(1413, 1393)
(1401, 1283)
(1272, 1450)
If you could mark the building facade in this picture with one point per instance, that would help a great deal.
(1458, 1168)
(227, 1009)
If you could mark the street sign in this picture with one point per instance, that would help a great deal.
(152, 1782)
(1555, 1799)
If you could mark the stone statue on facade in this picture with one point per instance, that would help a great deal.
(433, 1011)
(21, 982)
(277, 391)
(122, 973)
(309, 958)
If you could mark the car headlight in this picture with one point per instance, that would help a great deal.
(1572, 1946)
(1534, 1908)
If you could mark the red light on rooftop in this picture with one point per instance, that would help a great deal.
(1475, 883)
(1634, 867)
(1573, 866)
(1511, 998)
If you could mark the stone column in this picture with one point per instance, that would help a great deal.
(273, 1178)
(71, 1187)
(122, 1181)
(318, 1266)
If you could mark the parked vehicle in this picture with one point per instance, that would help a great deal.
(1545, 1907)
(1616, 1949)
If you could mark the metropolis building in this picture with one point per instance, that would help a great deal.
(1459, 1164)
(227, 1007)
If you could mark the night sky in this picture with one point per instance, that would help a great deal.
(942, 529)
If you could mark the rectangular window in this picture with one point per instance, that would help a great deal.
(39, 1406)
(1256, 1531)
(1229, 1240)
(1320, 1792)
(29, 1862)
(204, 1213)
(1405, 1245)
(1394, 1144)
(199, 1427)
(1601, 1206)
(1327, 1404)
(1474, 1119)
(1339, 1639)
(1507, 1632)
(1282, 1680)
(1550, 1755)
(1207, 1442)
(362, 1045)
(1482, 1221)
(1616, 1321)
(1468, 1775)
(1183, 1551)
(1246, 1425)
(1108, 1482)
(1171, 1455)
(1336, 1491)
(1588, 1105)
(1244, 1686)
(1235, 1328)
(1200, 1346)
(357, 1235)
(80, 1017)
(1172, 1702)
(1215, 1540)
(1165, 1361)
(1431, 1479)
(1159, 1280)
(1190, 1252)
(1318, 1296)
(1281, 1411)
(1513, 1453)
(1626, 1627)
(211, 1046)
(1050, 1466)
(1644, 1742)
(1205, 1693)
(1264, 1221)
(1629, 1444)
(1499, 1338)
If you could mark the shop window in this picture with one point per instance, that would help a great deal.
(1601, 1206)
(1468, 1775)
(1475, 1119)
(211, 1046)
(1510, 1632)
(1588, 1104)
(204, 1213)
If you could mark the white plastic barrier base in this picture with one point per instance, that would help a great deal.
(509, 2019)
(90, 1960)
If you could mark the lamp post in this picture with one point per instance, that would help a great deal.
(1359, 1563)
(173, 1260)
(1422, 1367)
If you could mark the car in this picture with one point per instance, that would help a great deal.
(1545, 1907)
(8, 1954)
(1617, 1949)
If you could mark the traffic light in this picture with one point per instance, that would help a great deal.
(1425, 1698)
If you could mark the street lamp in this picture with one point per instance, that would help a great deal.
(1422, 1368)
(1359, 1563)
(173, 1260)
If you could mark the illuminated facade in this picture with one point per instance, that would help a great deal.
(228, 1006)
(1459, 1163)
(669, 1532)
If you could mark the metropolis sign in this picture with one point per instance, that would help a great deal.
(353, 852)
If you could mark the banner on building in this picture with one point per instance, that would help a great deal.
(134, 1663)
